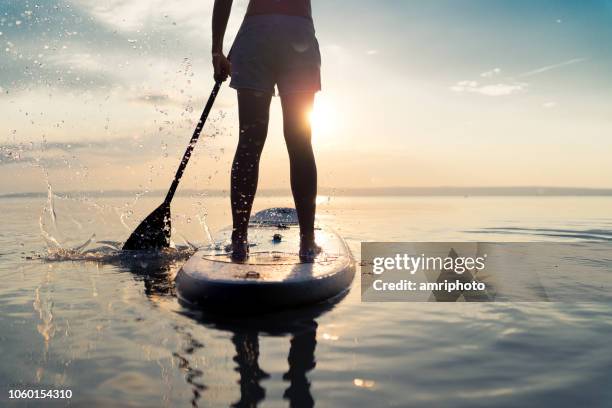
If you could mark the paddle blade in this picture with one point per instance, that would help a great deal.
(152, 233)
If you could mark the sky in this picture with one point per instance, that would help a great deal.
(104, 94)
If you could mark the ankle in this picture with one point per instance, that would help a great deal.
(308, 244)
(239, 237)
(308, 238)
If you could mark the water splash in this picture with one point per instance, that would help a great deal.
(204, 224)
(189, 244)
(110, 252)
(49, 209)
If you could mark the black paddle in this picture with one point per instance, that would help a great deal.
(154, 231)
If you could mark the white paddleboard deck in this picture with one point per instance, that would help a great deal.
(273, 276)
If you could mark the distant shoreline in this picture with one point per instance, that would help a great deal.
(361, 192)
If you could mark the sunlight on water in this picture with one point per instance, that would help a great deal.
(108, 324)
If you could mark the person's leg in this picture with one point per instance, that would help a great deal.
(246, 345)
(298, 135)
(253, 112)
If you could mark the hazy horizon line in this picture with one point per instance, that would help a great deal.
(367, 191)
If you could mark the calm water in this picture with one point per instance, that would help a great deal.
(113, 332)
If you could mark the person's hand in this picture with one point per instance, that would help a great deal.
(222, 66)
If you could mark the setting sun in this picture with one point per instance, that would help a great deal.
(323, 116)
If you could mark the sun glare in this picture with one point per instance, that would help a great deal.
(322, 117)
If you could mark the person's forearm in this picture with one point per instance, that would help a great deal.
(221, 13)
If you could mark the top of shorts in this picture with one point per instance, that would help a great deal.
(299, 8)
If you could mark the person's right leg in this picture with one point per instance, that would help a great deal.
(253, 112)
(298, 136)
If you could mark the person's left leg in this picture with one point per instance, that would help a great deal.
(253, 112)
(298, 136)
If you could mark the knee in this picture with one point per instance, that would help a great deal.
(298, 140)
(301, 156)
(252, 137)
(254, 126)
(297, 130)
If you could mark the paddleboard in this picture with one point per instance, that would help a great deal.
(273, 277)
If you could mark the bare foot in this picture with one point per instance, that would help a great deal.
(309, 251)
(240, 251)
(239, 247)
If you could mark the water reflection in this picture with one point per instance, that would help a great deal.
(193, 375)
(156, 272)
(247, 357)
(301, 360)
(299, 325)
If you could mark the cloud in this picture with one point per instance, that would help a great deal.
(551, 67)
(154, 99)
(491, 73)
(134, 15)
(463, 86)
(47, 154)
(113, 47)
(119, 151)
(549, 105)
(190, 21)
(500, 89)
(510, 87)
(80, 61)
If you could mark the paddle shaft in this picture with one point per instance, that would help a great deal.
(192, 143)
